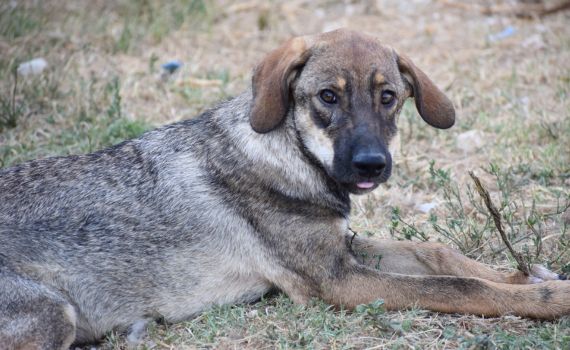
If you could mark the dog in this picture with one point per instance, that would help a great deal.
(250, 196)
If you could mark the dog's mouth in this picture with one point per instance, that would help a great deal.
(363, 187)
(359, 181)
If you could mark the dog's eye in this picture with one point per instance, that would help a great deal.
(388, 97)
(328, 97)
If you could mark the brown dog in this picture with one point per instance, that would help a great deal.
(251, 195)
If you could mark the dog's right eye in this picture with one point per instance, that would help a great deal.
(327, 96)
(388, 97)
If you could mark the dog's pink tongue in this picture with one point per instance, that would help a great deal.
(365, 185)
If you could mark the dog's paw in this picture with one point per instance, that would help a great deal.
(136, 333)
(545, 274)
(539, 273)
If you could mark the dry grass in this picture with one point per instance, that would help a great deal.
(104, 83)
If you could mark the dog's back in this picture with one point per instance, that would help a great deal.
(71, 223)
(123, 234)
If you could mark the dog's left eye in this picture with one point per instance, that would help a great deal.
(328, 96)
(387, 97)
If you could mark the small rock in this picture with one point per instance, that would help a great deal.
(33, 67)
(426, 207)
(470, 141)
(505, 33)
(566, 217)
(172, 66)
(252, 314)
(534, 42)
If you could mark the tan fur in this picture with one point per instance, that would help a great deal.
(434, 107)
(404, 274)
(379, 78)
(341, 83)
(436, 277)
(270, 94)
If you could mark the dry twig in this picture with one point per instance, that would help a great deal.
(521, 262)
(521, 10)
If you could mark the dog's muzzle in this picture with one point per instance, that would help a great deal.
(369, 165)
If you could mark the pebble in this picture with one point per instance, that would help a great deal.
(33, 67)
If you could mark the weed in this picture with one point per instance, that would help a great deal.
(114, 111)
(17, 20)
(402, 230)
(92, 127)
(10, 109)
(469, 225)
(465, 231)
(124, 42)
(374, 309)
(263, 20)
(144, 20)
(222, 75)
(152, 63)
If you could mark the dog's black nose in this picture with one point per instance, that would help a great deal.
(369, 164)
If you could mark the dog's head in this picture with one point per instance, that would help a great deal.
(344, 91)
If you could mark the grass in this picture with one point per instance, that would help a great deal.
(17, 21)
(104, 84)
(153, 21)
(10, 111)
(92, 128)
(278, 323)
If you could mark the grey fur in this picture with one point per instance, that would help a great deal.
(137, 230)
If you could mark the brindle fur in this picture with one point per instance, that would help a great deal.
(251, 195)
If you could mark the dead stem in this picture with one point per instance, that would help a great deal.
(521, 262)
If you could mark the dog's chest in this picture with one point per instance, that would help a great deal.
(221, 280)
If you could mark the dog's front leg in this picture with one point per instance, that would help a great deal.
(412, 258)
(325, 265)
(361, 284)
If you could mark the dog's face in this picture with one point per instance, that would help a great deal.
(345, 91)
(346, 100)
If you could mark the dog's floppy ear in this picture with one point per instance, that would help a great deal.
(271, 80)
(434, 107)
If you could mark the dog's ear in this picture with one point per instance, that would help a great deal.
(434, 107)
(271, 81)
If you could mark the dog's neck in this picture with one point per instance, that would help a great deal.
(276, 160)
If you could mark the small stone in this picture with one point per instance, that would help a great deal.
(503, 34)
(426, 207)
(172, 66)
(252, 314)
(470, 141)
(33, 67)
(566, 216)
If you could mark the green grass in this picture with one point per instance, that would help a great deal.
(153, 21)
(93, 128)
(17, 21)
(276, 322)
(10, 110)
